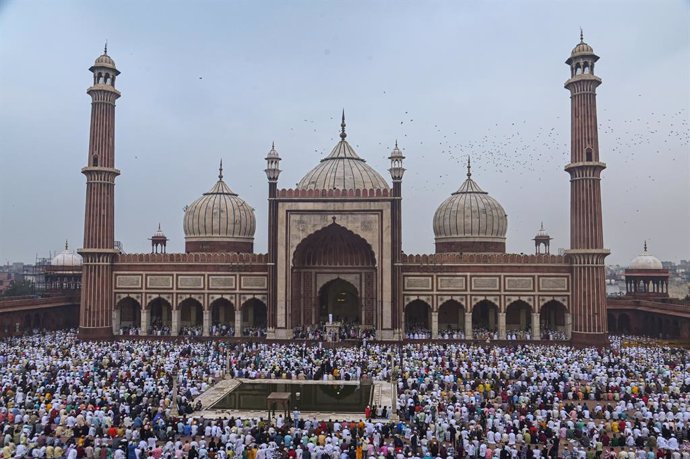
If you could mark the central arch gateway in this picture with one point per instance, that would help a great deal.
(333, 272)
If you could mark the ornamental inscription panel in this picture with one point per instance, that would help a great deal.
(159, 282)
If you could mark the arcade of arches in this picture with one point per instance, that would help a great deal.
(54, 318)
(333, 275)
(518, 316)
(648, 324)
(160, 318)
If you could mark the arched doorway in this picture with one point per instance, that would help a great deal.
(191, 317)
(451, 320)
(484, 319)
(254, 318)
(518, 319)
(333, 251)
(417, 320)
(222, 318)
(339, 299)
(552, 321)
(161, 317)
(130, 316)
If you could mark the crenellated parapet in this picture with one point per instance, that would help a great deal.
(483, 258)
(237, 258)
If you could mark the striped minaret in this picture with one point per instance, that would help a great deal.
(95, 314)
(587, 253)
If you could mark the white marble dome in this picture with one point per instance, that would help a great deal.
(219, 215)
(342, 169)
(470, 215)
(645, 260)
(67, 259)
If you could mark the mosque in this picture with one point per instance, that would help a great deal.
(335, 248)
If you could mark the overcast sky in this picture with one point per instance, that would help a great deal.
(207, 80)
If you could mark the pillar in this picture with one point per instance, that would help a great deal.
(501, 325)
(536, 331)
(145, 320)
(434, 324)
(468, 325)
(238, 322)
(568, 325)
(175, 327)
(206, 322)
(116, 321)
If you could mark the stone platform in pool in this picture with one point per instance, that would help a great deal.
(322, 400)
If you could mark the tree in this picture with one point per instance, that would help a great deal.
(20, 288)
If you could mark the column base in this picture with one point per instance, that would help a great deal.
(94, 333)
(589, 339)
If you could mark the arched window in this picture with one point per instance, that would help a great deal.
(588, 154)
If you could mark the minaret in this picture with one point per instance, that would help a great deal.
(397, 171)
(95, 315)
(272, 173)
(587, 253)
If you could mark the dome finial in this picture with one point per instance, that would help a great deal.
(469, 167)
(66, 244)
(342, 127)
(220, 170)
(582, 37)
(105, 48)
(159, 226)
(645, 245)
(542, 227)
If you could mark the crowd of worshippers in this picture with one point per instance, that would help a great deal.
(62, 397)
(420, 332)
(333, 332)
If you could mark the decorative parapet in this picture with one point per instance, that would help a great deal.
(194, 258)
(291, 193)
(482, 258)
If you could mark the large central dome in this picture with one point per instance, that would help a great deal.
(342, 169)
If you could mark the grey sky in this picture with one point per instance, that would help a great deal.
(208, 80)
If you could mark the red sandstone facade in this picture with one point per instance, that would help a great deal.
(99, 222)
(587, 251)
(335, 248)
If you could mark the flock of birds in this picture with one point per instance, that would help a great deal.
(519, 149)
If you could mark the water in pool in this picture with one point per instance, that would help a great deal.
(346, 398)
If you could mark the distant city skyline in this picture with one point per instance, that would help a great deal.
(447, 81)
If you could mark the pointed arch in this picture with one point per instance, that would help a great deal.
(254, 317)
(485, 316)
(222, 317)
(417, 317)
(451, 316)
(334, 245)
(161, 316)
(191, 315)
(519, 316)
(130, 312)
